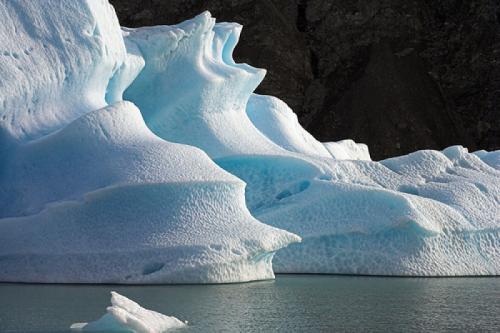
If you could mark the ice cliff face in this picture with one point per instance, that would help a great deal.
(125, 155)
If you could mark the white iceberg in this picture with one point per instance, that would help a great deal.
(348, 150)
(90, 194)
(428, 213)
(492, 158)
(167, 186)
(273, 118)
(125, 315)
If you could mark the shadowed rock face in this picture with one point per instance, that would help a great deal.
(397, 75)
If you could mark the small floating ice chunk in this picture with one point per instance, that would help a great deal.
(125, 315)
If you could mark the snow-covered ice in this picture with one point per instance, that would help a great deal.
(348, 150)
(273, 118)
(125, 315)
(492, 158)
(143, 156)
(57, 58)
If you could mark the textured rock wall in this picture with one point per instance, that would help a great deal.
(398, 75)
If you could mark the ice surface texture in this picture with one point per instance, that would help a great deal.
(167, 186)
(125, 315)
(57, 58)
(90, 194)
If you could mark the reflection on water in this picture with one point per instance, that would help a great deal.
(291, 303)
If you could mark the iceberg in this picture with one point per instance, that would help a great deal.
(277, 122)
(125, 315)
(429, 213)
(143, 156)
(348, 150)
(191, 91)
(56, 62)
(492, 158)
(88, 194)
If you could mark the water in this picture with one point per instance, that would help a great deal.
(291, 303)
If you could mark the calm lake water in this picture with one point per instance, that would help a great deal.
(291, 303)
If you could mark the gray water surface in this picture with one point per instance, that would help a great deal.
(291, 303)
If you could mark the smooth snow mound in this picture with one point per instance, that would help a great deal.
(125, 315)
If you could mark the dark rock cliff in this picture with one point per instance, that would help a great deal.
(398, 75)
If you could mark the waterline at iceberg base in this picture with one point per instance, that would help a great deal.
(143, 156)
